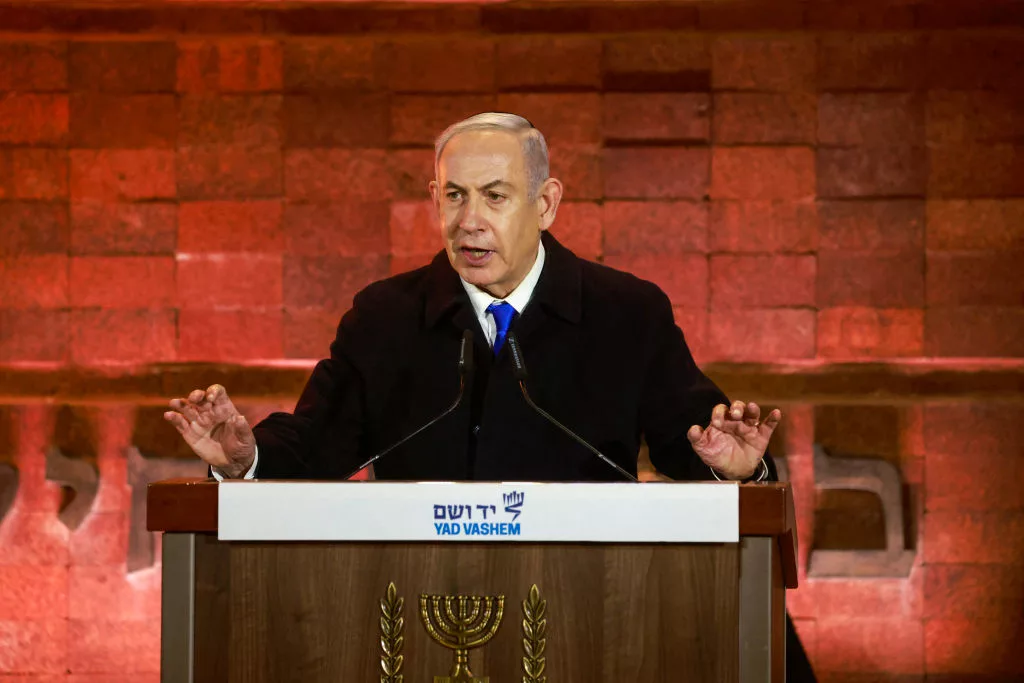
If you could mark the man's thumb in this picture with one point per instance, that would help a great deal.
(243, 432)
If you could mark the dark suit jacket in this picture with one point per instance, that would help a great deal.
(604, 356)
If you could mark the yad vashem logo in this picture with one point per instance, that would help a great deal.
(461, 623)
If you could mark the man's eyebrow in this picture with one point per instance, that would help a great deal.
(494, 183)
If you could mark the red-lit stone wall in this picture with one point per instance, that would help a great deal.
(814, 185)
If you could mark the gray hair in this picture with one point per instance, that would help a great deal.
(535, 148)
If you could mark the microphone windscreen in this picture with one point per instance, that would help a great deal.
(466, 353)
(518, 363)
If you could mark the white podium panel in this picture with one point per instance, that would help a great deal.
(478, 511)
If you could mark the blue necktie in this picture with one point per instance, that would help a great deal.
(503, 314)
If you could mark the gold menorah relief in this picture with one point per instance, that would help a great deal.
(461, 623)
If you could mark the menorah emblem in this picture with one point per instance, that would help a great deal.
(461, 623)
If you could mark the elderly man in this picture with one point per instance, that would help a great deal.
(603, 351)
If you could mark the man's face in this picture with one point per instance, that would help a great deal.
(491, 227)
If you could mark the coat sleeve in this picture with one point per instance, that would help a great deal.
(322, 437)
(676, 396)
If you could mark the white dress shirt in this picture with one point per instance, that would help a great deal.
(480, 300)
(518, 298)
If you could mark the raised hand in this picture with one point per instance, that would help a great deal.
(735, 440)
(214, 430)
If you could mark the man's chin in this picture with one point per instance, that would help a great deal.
(479, 278)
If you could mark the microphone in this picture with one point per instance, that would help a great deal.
(465, 369)
(520, 374)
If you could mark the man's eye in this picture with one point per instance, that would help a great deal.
(454, 196)
(495, 197)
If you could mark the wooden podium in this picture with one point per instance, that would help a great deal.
(572, 612)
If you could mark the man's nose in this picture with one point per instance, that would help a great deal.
(470, 218)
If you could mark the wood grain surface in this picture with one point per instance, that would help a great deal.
(309, 612)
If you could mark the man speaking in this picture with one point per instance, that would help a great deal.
(506, 358)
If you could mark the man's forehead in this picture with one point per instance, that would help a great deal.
(484, 146)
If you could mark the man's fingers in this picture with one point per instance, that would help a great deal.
(751, 414)
(694, 434)
(772, 421)
(718, 416)
(184, 427)
(196, 396)
(736, 410)
(185, 408)
(216, 393)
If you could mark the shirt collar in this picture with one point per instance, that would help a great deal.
(518, 298)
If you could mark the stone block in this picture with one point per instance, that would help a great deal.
(413, 229)
(763, 173)
(765, 118)
(984, 224)
(345, 229)
(655, 227)
(229, 172)
(235, 66)
(563, 118)
(130, 229)
(331, 175)
(105, 121)
(871, 61)
(848, 278)
(656, 173)
(122, 175)
(683, 277)
(529, 63)
(328, 283)
(872, 225)
(465, 64)
(679, 117)
(772, 64)
(33, 335)
(34, 66)
(230, 336)
(759, 226)
(339, 64)
(122, 337)
(974, 279)
(578, 227)
(229, 281)
(122, 282)
(883, 171)
(861, 332)
(33, 173)
(122, 67)
(309, 333)
(34, 282)
(336, 120)
(419, 119)
(974, 331)
(34, 119)
(865, 119)
(230, 226)
(762, 281)
(768, 335)
(246, 121)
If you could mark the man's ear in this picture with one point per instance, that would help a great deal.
(433, 187)
(548, 199)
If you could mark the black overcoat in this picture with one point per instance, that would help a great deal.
(604, 357)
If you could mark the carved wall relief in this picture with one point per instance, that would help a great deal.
(883, 480)
(80, 477)
(8, 488)
(142, 471)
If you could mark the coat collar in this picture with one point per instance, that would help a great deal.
(558, 291)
